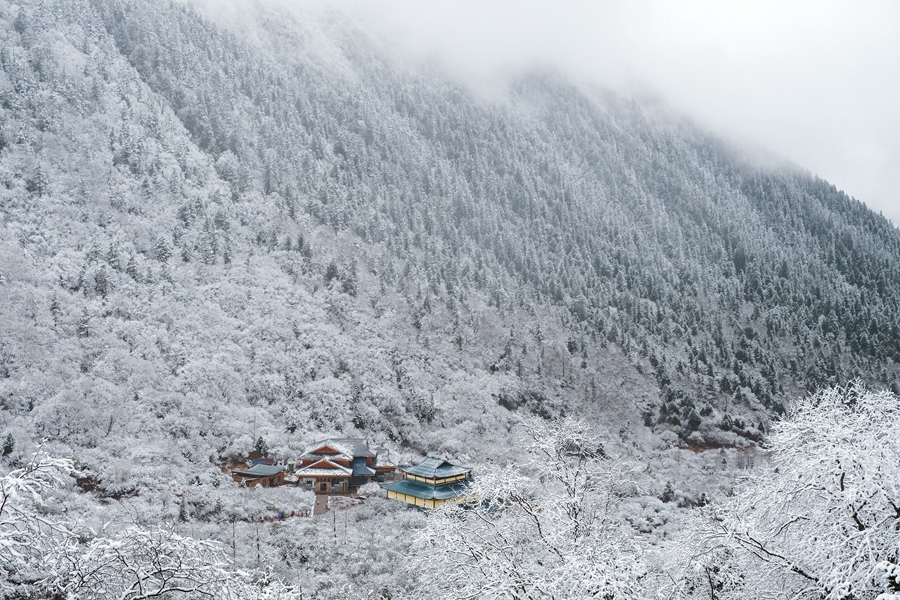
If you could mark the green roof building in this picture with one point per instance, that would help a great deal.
(430, 483)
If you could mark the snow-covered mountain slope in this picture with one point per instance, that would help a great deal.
(207, 238)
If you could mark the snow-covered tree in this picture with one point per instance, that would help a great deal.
(42, 555)
(823, 520)
(547, 528)
(28, 535)
(138, 564)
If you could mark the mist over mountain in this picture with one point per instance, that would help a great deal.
(208, 238)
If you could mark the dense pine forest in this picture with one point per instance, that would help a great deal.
(216, 237)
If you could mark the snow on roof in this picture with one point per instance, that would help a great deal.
(347, 447)
(259, 471)
(435, 468)
(322, 473)
(384, 457)
(324, 467)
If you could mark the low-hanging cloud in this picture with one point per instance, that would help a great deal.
(814, 81)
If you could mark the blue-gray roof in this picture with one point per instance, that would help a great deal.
(425, 491)
(260, 471)
(432, 468)
(359, 467)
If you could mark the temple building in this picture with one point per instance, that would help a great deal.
(430, 483)
(259, 474)
(338, 464)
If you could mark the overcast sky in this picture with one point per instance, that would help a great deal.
(817, 82)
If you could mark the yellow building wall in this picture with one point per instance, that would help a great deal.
(413, 501)
(436, 481)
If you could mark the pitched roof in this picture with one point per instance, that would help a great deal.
(322, 473)
(259, 471)
(383, 458)
(348, 447)
(426, 491)
(435, 468)
(324, 467)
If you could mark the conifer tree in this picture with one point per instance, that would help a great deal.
(83, 328)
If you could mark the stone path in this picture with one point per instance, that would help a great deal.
(321, 505)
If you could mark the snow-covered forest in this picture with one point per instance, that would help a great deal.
(215, 237)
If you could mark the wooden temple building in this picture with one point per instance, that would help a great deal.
(430, 483)
(338, 464)
(260, 474)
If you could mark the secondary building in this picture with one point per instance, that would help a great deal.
(430, 483)
(260, 474)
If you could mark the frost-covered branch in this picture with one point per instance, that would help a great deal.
(137, 564)
(822, 521)
(26, 535)
(45, 557)
(536, 530)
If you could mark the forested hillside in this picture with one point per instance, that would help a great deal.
(299, 225)
(722, 278)
(211, 236)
